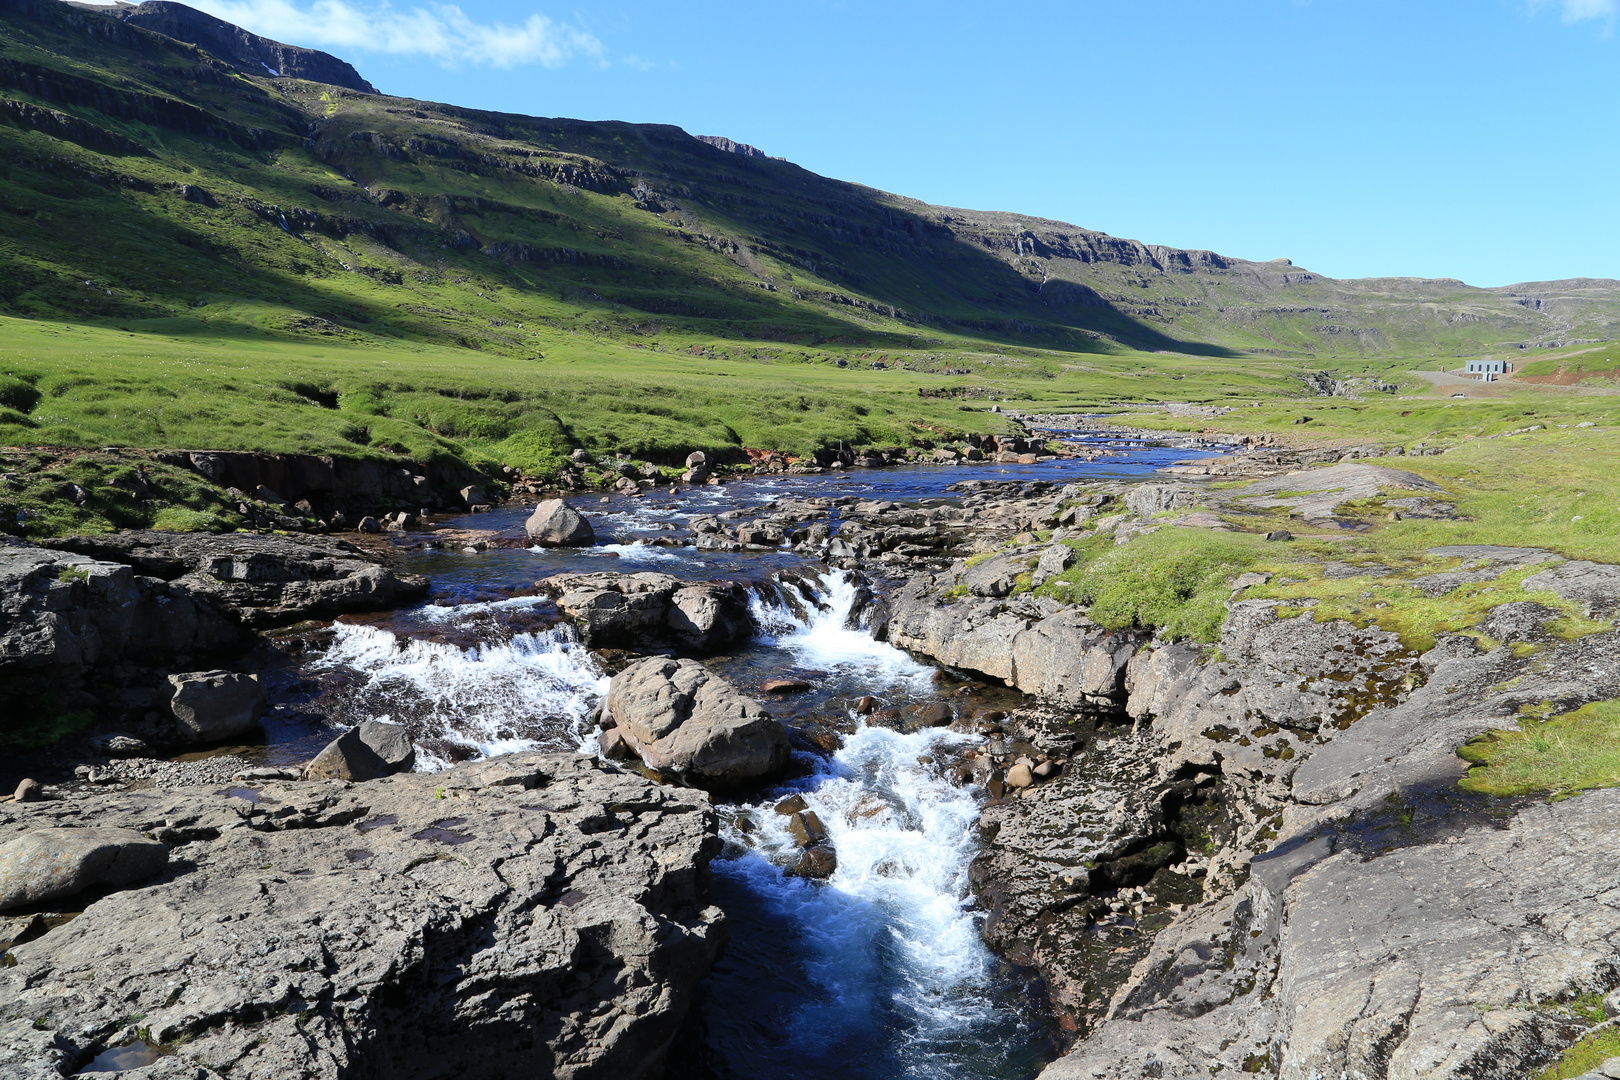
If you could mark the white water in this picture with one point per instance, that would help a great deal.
(893, 978)
(877, 973)
(533, 691)
(831, 634)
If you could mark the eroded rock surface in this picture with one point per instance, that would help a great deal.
(535, 914)
(683, 719)
(634, 610)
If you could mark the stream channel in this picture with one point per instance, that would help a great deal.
(878, 972)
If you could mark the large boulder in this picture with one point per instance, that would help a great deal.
(556, 524)
(46, 864)
(682, 718)
(374, 749)
(212, 705)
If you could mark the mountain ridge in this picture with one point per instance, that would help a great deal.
(618, 222)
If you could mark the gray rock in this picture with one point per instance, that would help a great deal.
(1594, 586)
(51, 863)
(390, 742)
(535, 914)
(1146, 500)
(633, 610)
(1522, 621)
(256, 580)
(1314, 493)
(214, 705)
(683, 719)
(1035, 644)
(367, 752)
(1053, 561)
(556, 524)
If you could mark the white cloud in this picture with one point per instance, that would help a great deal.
(442, 32)
(1580, 10)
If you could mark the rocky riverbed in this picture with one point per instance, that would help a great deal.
(1246, 855)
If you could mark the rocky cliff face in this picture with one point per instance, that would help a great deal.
(258, 55)
(1255, 857)
(114, 605)
(532, 914)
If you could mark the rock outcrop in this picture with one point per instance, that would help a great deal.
(633, 610)
(254, 54)
(556, 524)
(52, 863)
(258, 580)
(77, 605)
(683, 719)
(535, 914)
(213, 705)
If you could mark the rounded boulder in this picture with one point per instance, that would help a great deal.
(682, 718)
(556, 524)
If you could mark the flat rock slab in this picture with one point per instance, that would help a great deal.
(529, 915)
(1314, 493)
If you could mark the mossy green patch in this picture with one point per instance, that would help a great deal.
(1396, 603)
(1584, 1056)
(1561, 754)
(1174, 580)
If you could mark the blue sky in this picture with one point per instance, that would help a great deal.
(1474, 139)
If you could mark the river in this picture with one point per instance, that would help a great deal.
(878, 972)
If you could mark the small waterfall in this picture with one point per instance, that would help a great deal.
(826, 624)
(531, 691)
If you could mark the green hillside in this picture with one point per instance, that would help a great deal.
(194, 255)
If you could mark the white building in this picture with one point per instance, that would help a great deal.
(1487, 370)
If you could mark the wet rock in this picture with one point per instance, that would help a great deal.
(806, 828)
(638, 610)
(784, 686)
(28, 790)
(556, 524)
(614, 747)
(683, 719)
(51, 863)
(866, 706)
(120, 746)
(210, 706)
(791, 805)
(818, 862)
(933, 714)
(256, 580)
(385, 898)
(995, 785)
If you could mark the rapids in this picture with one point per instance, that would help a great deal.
(878, 972)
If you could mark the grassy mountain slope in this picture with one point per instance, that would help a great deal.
(192, 254)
